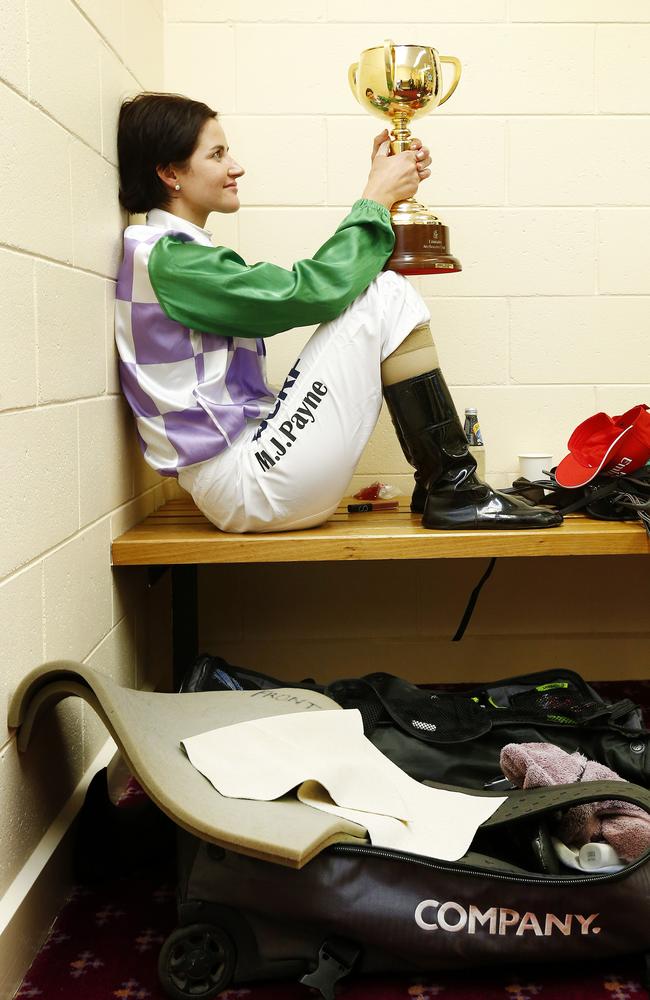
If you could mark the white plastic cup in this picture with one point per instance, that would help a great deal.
(533, 464)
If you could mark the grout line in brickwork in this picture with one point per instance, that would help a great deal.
(104, 638)
(106, 334)
(62, 542)
(260, 22)
(68, 131)
(13, 410)
(43, 615)
(35, 104)
(327, 149)
(132, 479)
(109, 44)
(506, 163)
(37, 356)
(27, 53)
(595, 69)
(102, 82)
(235, 64)
(24, 252)
(14, 574)
(70, 188)
(597, 253)
(509, 309)
(15, 90)
(583, 22)
(77, 414)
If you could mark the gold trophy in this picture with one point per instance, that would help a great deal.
(402, 82)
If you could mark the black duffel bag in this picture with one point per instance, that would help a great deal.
(456, 737)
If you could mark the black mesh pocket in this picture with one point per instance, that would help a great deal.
(556, 704)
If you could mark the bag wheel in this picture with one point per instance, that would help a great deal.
(196, 962)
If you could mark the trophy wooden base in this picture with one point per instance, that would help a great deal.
(422, 248)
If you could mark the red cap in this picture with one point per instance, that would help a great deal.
(613, 445)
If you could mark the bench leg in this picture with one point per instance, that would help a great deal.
(185, 620)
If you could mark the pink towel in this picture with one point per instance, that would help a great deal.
(623, 825)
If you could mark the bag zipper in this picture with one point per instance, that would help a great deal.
(485, 873)
(622, 731)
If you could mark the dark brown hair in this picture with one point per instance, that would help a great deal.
(155, 130)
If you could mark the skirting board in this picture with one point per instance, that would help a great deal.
(34, 898)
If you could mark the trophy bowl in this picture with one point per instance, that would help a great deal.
(400, 80)
(400, 83)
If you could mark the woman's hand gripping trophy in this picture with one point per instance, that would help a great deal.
(396, 176)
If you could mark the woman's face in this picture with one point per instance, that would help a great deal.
(209, 183)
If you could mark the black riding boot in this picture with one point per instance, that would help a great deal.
(447, 491)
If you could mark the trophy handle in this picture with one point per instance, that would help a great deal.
(389, 62)
(457, 71)
(352, 78)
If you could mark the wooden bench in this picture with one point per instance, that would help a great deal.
(177, 533)
(178, 536)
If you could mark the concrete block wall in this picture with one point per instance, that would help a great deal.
(73, 476)
(540, 170)
(541, 173)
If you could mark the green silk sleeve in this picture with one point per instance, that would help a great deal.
(213, 290)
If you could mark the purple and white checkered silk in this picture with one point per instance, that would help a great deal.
(191, 392)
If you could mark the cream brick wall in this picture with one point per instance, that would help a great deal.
(540, 170)
(73, 476)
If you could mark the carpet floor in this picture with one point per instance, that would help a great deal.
(104, 944)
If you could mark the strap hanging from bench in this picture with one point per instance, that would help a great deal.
(471, 604)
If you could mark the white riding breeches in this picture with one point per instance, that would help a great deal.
(291, 469)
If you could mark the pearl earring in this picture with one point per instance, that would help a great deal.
(177, 188)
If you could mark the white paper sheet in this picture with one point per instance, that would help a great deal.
(336, 769)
